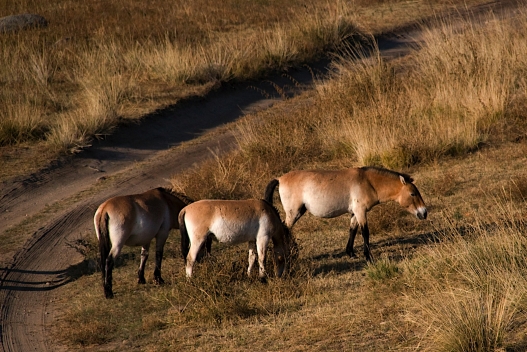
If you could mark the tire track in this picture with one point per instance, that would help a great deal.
(31, 277)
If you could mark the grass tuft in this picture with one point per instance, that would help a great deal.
(382, 269)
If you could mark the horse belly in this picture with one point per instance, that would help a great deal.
(139, 240)
(234, 232)
(324, 205)
(325, 212)
(143, 232)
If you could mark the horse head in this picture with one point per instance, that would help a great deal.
(410, 198)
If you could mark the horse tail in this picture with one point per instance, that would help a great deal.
(185, 239)
(269, 190)
(101, 228)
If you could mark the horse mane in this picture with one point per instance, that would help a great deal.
(181, 196)
(274, 208)
(387, 172)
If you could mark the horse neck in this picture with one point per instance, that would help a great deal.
(175, 204)
(386, 187)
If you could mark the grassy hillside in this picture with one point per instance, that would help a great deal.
(452, 115)
(102, 63)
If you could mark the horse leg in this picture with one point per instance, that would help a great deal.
(363, 224)
(209, 244)
(205, 250)
(160, 245)
(261, 247)
(366, 236)
(141, 272)
(279, 256)
(192, 255)
(252, 256)
(108, 279)
(110, 260)
(354, 226)
(292, 216)
(158, 280)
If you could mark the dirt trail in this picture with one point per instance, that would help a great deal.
(135, 159)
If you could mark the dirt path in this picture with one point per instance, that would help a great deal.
(138, 158)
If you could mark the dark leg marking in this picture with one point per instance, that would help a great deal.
(366, 236)
(209, 244)
(108, 280)
(351, 241)
(158, 280)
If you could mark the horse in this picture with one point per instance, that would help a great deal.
(233, 222)
(331, 193)
(134, 220)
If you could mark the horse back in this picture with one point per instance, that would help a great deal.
(325, 193)
(231, 221)
(136, 219)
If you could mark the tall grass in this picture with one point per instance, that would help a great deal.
(151, 54)
(457, 87)
(467, 292)
(378, 112)
(21, 122)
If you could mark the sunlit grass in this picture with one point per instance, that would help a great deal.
(467, 292)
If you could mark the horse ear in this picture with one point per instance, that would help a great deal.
(403, 181)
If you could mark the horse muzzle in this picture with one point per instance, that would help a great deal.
(422, 213)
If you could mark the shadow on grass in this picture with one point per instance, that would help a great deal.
(519, 347)
(341, 266)
(340, 262)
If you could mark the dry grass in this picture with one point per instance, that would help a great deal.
(457, 91)
(469, 292)
(468, 286)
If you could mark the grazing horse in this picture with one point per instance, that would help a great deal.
(328, 194)
(134, 220)
(233, 222)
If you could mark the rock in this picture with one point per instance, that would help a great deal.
(18, 22)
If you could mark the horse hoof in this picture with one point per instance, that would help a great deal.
(263, 280)
(159, 281)
(351, 254)
(108, 295)
(141, 281)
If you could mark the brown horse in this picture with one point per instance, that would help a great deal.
(328, 194)
(134, 220)
(233, 222)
